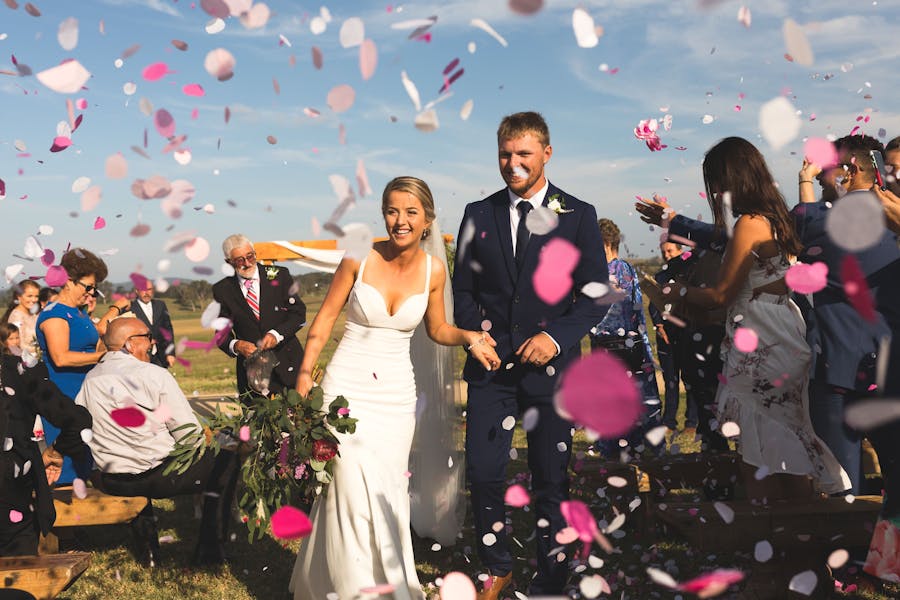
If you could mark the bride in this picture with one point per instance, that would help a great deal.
(361, 544)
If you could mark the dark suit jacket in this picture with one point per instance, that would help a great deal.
(841, 336)
(488, 286)
(279, 309)
(161, 328)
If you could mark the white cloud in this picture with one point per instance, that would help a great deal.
(156, 5)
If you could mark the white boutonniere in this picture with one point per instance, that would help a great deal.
(271, 273)
(557, 204)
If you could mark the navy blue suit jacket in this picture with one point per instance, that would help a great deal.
(488, 286)
(842, 338)
(161, 328)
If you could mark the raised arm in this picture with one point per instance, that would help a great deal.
(479, 343)
(750, 232)
(320, 330)
(56, 333)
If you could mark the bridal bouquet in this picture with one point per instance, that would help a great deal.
(288, 447)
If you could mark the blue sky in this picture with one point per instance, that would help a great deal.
(693, 58)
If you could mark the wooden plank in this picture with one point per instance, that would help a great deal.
(96, 508)
(42, 576)
(813, 525)
(691, 471)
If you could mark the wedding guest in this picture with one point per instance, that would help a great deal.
(766, 373)
(670, 343)
(493, 282)
(68, 338)
(132, 460)
(155, 314)
(22, 313)
(25, 473)
(266, 313)
(10, 339)
(46, 296)
(846, 343)
(623, 333)
(892, 164)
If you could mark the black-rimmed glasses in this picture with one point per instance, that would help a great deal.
(88, 289)
(147, 335)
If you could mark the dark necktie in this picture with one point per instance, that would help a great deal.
(522, 233)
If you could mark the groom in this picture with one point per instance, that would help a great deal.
(494, 288)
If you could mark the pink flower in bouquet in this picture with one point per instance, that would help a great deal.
(299, 470)
(324, 450)
(343, 411)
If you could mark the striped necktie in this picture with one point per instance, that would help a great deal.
(252, 299)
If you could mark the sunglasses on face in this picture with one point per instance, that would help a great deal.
(88, 289)
(248, 259)
(147, 335)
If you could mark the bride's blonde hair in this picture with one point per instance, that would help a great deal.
(414, 186)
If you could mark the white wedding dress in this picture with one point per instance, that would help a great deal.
(361, 545)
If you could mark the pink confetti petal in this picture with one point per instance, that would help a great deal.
(317, 58)
(857, 289)
(164, 123)
(130, 416)
(48, 257)
(341, 98)
(244, 433)
(517, 496)
(155, 71)
(745, 339)
(368, 59)
(162, 413)
(457, 586)
(220, 64)
(56, 276)
(382, 588)
(256, 17)
(579, 517)
(552, 278)
(807, 279)
(713, 583)
(15, 516)
(821, 152)
(197, 250)
(597, 392)
(289, 523)
(566, 535)
(99, 223)
(193, 89)
(90, 198)
(116, 166)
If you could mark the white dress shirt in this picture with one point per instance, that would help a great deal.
(254, 285)
(536, 200)
(147, 307)
(121, 380)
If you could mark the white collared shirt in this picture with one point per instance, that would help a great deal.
(147, 307)
(255, 286)
(536, 200)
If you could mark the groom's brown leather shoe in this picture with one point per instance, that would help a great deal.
(493, 587)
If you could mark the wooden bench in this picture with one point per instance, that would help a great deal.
(691, 471)
(96, 508)
(42, 576)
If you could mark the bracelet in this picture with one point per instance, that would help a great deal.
(468, 347)
(113, 306)
(805, 181)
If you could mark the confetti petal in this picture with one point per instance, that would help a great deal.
(745, 339)
(517, 496)
(341, 98)
(220, 64)
(411, 90)
(821, 152)
(67, 34)
(552, 278)
(79, 489)
(353, 32)
(585, 31)
(466, 111)
(197, 250)
(597, 392)
(778, 122)
(116, 166)
(484, 26)
(56, 276)
(15, 516)
(99, 223)
(807, 278)
(804, 583)
(256, 17)
(289, 523)
(457, 586)
(90, 198)
(368, 59)
(857, 224)
(796, 44)
(130, 416)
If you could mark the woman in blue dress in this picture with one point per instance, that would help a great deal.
(67, 336)
(623, 333)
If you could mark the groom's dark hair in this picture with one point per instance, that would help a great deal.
(522, 123)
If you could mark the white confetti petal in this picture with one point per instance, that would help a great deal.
(352, 33)
(804, 583)
(796, 43)
(778, 122)
(67, 78)
(508, 423)
(584, 28)
(483, 25)
(411, 90)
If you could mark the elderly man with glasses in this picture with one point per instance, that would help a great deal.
(266, 313)
(132, 459)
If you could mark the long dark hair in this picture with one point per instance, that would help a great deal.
(734, 165)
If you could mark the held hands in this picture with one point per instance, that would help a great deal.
(656, 211)
(481, 346)
(53, 462)
(537, 350)
(244, 348)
